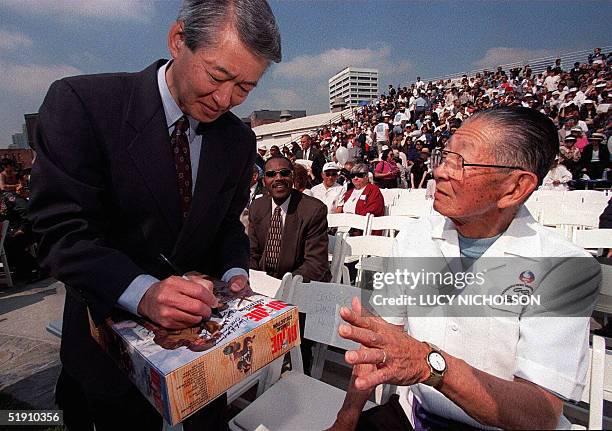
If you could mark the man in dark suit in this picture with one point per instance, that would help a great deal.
(308, 152)
(131, 166)
(595, 157)
(287, 229)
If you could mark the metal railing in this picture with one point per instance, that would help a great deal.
(537, 65)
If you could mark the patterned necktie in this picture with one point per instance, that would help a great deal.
(274, 242)
(182, 163)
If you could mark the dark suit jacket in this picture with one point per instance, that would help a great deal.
(105, 201)
(587, 154)
(318, 160)
(304, 240)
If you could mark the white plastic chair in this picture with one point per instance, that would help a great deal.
(577, 197)
(598, 387)
(391, 224)
(296, 401)
(593, 239)
(568, 219)
(534, 207)
(345, 222)
(369, 245)
(3, 258)
(416, 209)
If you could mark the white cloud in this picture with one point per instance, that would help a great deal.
(32, 80)
(330, 62)
(130, 10)
(13, 40)
(503, 55)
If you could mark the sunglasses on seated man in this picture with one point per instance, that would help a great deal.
(283, 173)
(331, 173)
(359, 175)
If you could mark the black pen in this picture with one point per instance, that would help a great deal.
(177, 271)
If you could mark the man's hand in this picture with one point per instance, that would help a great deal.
(239, 284)
(399, 358)
(177, 303)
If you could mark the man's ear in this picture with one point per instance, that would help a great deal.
(176, 41)
(517, 188)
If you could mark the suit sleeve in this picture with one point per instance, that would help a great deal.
(232, 240)
(69, 206)
(316, 266)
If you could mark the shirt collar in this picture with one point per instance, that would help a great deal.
(171, 109)
(517, 240)
(284, 206)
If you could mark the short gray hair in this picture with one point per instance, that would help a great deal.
(253, 21)
(360, 168)
(527, 138)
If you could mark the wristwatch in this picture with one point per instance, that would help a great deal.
(437, 366)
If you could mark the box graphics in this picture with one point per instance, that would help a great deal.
(180, 371)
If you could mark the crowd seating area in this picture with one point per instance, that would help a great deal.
(422, 116)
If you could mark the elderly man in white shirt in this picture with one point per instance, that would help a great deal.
(508, 370)
(557, 178)
(329, 191)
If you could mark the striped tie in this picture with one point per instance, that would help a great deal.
(274, 242)
(182, 163)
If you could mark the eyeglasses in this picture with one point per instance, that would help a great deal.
(331, 173)
(455, 163)
(283, 173)
(359, 175)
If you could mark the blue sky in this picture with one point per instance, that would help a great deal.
(43, 40)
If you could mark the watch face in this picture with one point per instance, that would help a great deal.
(437, 362)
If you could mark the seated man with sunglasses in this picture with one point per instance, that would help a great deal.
(287, 229)
(329, 191)
(508, 368)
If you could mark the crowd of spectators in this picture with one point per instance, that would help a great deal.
(395, 134)
(19, 243)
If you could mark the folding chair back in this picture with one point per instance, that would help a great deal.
(598, 386)
(593, 238)
(297, 401)
(369, 245)
(391, 224)
(344, 222)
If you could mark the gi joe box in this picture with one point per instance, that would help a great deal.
(180, 371)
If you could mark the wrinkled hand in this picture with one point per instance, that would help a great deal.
(239, 284)
(177, 303)
(403, 356)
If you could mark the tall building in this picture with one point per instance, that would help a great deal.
(30, 121)
(20, 140)
(355, 85)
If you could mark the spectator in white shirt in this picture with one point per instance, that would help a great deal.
(329, 191)
(557, 178)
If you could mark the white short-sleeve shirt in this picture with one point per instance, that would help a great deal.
(551, 352)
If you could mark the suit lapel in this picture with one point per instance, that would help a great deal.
(150, 148)
(290, 230)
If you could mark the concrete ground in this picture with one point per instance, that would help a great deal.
(29, 355)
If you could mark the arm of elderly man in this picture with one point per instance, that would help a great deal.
(548, 367)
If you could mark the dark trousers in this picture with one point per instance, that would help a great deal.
(125, 411)
(386, 417)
